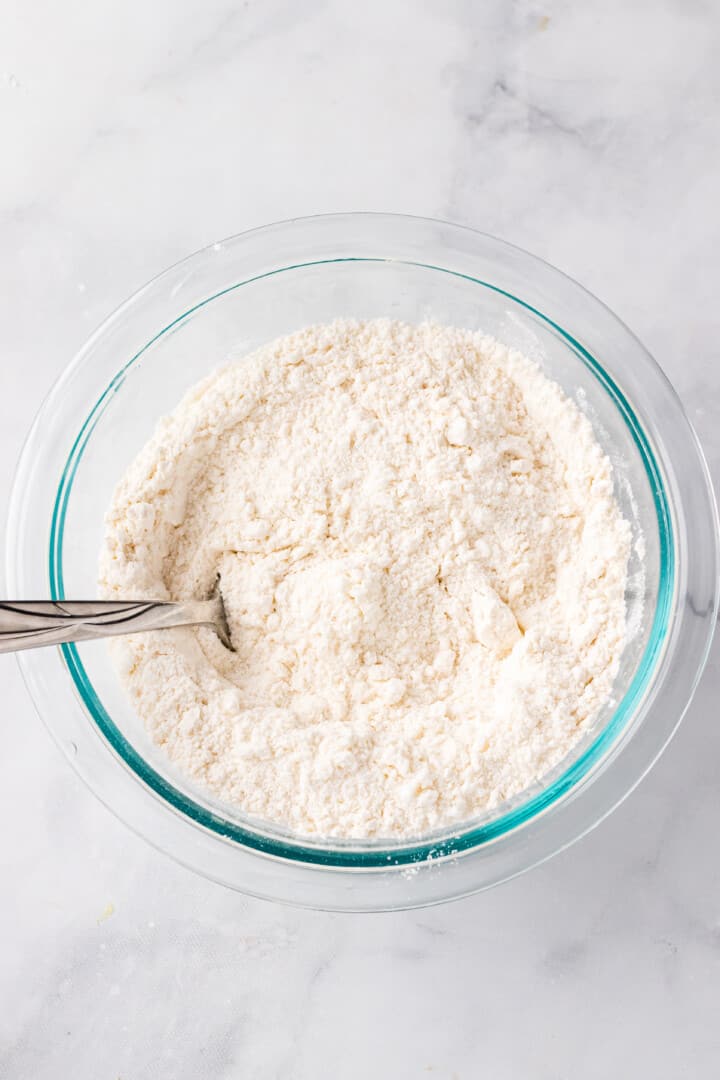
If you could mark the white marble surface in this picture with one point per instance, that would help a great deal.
(134, 133)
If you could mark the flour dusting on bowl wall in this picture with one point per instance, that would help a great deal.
(407, 707)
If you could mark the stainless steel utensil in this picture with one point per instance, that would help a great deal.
(28, 624)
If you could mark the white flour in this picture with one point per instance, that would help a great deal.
(423, 566)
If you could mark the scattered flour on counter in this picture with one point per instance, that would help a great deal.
(423, 566)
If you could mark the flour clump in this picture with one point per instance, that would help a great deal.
(423, 566)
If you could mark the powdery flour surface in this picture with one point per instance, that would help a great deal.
(423, 566)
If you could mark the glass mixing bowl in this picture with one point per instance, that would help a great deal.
(238, 294)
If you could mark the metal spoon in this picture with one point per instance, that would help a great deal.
(28, 624)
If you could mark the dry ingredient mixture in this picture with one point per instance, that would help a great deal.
(423, 566)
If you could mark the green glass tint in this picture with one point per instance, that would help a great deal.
(376, 856)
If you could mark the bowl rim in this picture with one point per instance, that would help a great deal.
(451, 845)
(450, 840)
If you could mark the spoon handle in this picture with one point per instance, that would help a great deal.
(27, 624)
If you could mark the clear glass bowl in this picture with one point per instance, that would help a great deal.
(238, 294)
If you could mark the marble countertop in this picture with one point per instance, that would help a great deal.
(136, 133)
